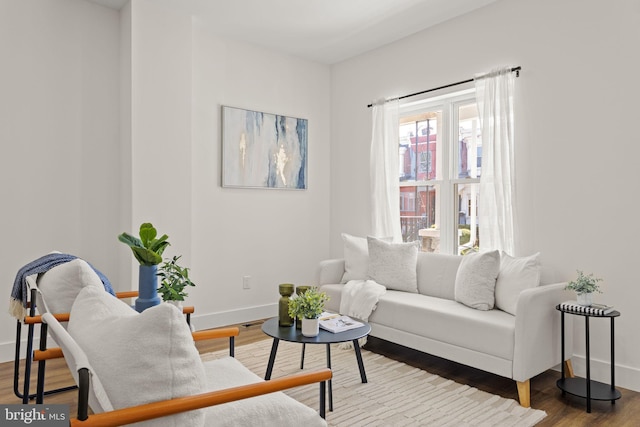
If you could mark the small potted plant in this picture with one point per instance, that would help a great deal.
(307, 308)
(147, 249)
(174, 280)
(584, 286)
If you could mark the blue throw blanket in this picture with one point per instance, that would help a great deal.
(19, 293)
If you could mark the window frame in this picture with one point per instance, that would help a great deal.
(447, 181)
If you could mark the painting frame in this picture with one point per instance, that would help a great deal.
(263, 150)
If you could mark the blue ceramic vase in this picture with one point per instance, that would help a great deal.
(147, 288)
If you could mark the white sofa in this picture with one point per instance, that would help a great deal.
(514, 346)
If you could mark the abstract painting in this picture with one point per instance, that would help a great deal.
(262, 150)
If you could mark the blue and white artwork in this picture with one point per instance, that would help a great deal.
(261, 150)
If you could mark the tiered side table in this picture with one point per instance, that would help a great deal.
(586, 387)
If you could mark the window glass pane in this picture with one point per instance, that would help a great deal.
(420, 147)
(418, 212)
(468, 196)
(469, 142)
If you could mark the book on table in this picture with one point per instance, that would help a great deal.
(593, 309)
(334, 322)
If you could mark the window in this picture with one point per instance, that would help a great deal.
(440, 164)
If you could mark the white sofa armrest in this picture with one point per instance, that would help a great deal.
(537, 339)
(331, 271)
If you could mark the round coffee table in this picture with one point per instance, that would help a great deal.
(292, 334)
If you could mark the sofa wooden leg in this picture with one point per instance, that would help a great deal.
(568, 369)
(524, 393)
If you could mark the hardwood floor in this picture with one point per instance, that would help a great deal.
(561, 410)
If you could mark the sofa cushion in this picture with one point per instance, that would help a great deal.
(476, 280)
(393, 265)
(126, 349)
(334, 292)
(437, 274)
(516, 275)
(490, 332)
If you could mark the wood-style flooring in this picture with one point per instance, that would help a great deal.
(561, 410)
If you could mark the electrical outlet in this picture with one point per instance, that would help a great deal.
(246, 282)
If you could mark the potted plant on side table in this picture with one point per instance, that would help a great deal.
(307, 308)
(584, 286)
(174, 280)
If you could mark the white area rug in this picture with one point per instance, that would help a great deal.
(396, 394)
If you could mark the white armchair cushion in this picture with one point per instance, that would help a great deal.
(476, 280)
(393, 265)
(274, 409)
(516, 275)
(139, 357)
(60, 285)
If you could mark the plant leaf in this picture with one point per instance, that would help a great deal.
(146, 257)
(159, 245)
(130, 240)
(147, 234)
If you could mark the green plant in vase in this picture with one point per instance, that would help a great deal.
(147, 249)
(307, 308)
(584, 286)
(174, 280)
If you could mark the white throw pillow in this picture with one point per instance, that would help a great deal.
(516, 275)
(476, 280)
(61, 284)
(393, 265)
(139, 357)
(356, 258)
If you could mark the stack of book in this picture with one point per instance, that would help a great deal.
(593, 309)
(335, 323)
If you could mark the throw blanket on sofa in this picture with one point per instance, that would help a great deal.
(19, 293)
(359, 299)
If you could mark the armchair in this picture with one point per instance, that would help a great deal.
(133, 367)
(59, 287)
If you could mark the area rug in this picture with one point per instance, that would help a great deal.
(396, 394)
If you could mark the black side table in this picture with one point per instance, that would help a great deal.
(588, 388)
(291, 334)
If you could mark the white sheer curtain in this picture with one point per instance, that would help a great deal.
(494, 95)
(384, 171)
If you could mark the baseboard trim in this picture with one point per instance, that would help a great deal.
(8, 349)
(626, 376)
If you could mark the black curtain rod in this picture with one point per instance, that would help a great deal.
(514, 69)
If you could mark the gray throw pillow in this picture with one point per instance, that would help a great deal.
(476, 280)
(393, 265)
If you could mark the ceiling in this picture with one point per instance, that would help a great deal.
(326, 31)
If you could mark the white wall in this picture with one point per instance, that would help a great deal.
(576, 143)
(117, 115)
(59, 137)
(182, 74)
